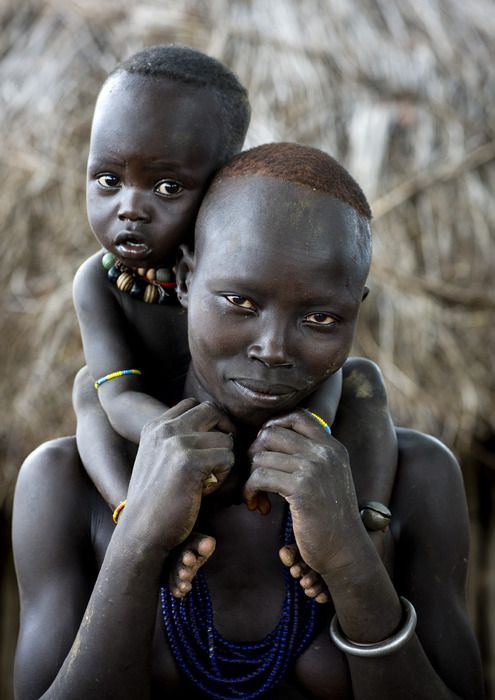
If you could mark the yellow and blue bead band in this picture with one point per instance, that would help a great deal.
(114, 375)
(323, 424)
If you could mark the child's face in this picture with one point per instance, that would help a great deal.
(154, 146)
(273, 294)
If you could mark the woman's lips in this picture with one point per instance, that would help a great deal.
(262, 392)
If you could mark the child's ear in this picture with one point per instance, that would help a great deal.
(183, 273)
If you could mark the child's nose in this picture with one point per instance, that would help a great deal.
(132, 206)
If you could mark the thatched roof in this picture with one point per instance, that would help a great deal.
(402, 93)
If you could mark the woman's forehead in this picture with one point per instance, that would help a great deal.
(264, 231)
(250, 211)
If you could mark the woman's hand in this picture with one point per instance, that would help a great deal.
(294, 457)
(177, 453)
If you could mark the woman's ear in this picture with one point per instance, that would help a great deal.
(183, 273)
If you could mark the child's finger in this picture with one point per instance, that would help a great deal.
(276, 438)
(206, 416)
(180, 408)
(269, 481)
(259, 501)
(189, 416)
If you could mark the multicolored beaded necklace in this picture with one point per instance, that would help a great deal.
(223, 669)
(153, 286)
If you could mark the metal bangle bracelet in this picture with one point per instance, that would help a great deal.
(388, 646)
(375, 515)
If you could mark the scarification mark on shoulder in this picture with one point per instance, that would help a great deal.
(361, 385)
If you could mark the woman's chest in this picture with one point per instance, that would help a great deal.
(246, 592)
(319, 672)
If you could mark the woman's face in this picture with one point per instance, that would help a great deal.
(273, 294)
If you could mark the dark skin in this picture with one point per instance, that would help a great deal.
(363, 410)
(148, 168)
(154, 148)
(85, 585)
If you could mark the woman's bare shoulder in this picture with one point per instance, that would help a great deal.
(52, 498)
(429, 499)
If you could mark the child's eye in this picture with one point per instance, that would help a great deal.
(108, 180)
(168, 188)
(242, 302)
(318, 318)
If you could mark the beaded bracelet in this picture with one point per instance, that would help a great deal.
(389, 645)
(114, 375)
(323, 423)
(118, 510)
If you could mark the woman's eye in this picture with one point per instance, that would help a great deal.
(320, 319)
(169, 188)
(108, 180)
(242, 302)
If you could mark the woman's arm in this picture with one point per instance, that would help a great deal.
(87, 638)
(310, 469)
(105, 334)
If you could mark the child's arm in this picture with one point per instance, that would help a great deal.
(325, 401)
(105, 336)
(104, 453)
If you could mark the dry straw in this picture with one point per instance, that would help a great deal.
(402, 93)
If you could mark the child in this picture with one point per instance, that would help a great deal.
(165, 120)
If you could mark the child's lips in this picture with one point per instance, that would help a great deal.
(131, 245)
(132, 250)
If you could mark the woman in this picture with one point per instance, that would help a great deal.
(273, 292)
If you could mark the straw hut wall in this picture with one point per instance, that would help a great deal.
(401, 92)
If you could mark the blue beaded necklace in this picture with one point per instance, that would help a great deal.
(226, 670)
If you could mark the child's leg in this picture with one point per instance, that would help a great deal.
(105, 455)
(311, 582)
(198, 548)
(188, 559)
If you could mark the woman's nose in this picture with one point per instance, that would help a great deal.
(271, 347)
(133, 205)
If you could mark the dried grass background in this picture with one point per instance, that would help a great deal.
(401, 92)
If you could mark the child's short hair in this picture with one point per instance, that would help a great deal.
(190, 67)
